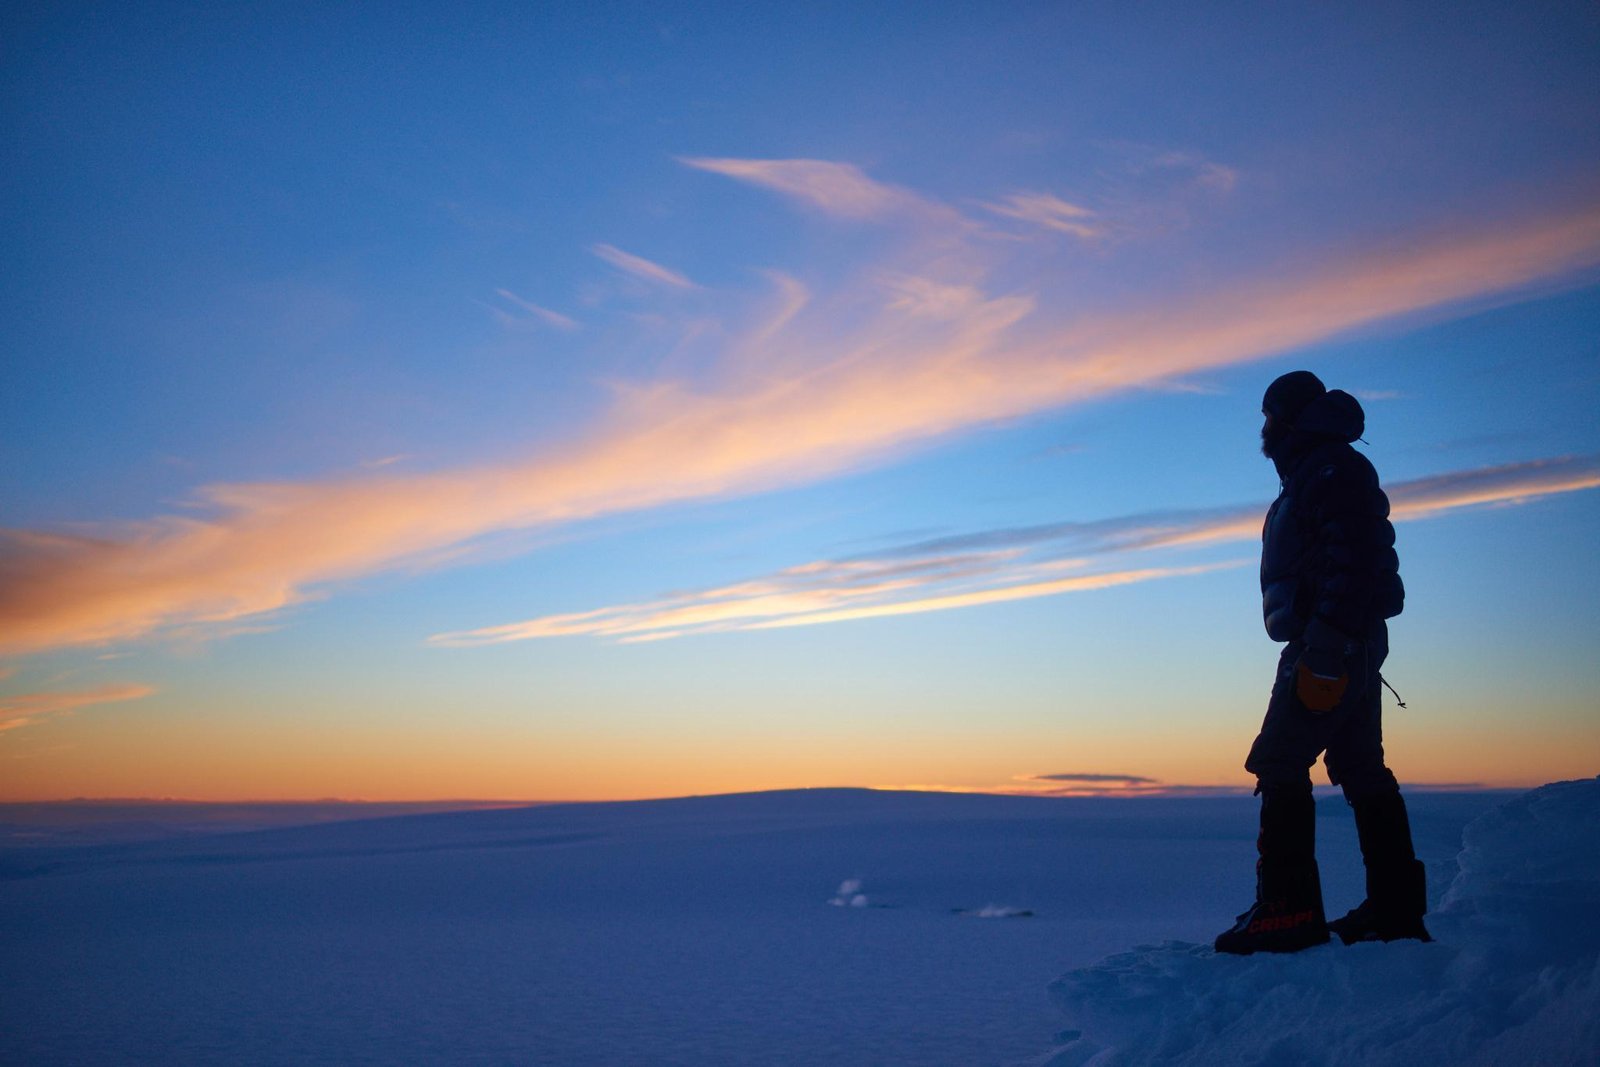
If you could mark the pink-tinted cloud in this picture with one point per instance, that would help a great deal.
(640, 267)
(28, 708)
(840, 189)
(543, 314)
(832, 384)
(994, 595)
(1206, 173)
(1511, 483)
(793, 598)
(995, 566)
(1048, 211)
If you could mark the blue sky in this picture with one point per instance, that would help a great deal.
(378, 381)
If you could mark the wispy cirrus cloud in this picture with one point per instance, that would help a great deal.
(1048, 211)
(835, 380)
(28, 708)
(783, 602)
(1203, 172)
(1504, 484)
(840, 189)
(543, 314)
(1164, 165)
(997, 594)
(999, 565)
(643, 268)
(807, 587)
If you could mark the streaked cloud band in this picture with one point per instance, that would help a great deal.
(640, 267)
(24, 709)
(996, 566)
(812, 394)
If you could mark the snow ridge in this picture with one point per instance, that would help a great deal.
(1513, 977)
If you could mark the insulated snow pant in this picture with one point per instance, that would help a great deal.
(1292, 736)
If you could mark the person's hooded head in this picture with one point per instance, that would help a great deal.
(1300, 412)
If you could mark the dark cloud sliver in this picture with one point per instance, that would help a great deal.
(1130, 779)
(1158, 528)
(983, 566)
(1123, 533)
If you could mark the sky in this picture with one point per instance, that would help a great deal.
(622, 400)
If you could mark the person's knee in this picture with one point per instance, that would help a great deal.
(1365, 782)
(1279, 758)
(1283, 778)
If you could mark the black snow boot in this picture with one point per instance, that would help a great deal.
(1287, 915)
(1397, 883)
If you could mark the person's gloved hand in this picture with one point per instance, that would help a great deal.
(1322, 675)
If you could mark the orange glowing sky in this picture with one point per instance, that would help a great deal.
(600, 412)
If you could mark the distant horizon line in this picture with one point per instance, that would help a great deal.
(1170, 792)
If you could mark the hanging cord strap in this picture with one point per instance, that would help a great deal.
(1391, 689)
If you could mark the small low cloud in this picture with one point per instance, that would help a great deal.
(1113, 785)
(640, 267)
(25, 709)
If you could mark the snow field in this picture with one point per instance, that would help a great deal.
(697, 931)
(1513, 976)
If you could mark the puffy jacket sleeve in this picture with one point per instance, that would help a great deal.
(1356, 572)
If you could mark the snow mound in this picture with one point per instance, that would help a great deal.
(1513, 977)
(849, 895)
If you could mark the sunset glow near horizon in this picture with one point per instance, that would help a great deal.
(652, 399)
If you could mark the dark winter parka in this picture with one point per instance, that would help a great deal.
(1327, 548)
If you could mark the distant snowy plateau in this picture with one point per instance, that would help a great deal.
(833, 926)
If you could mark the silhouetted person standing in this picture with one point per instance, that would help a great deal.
(1329, 580)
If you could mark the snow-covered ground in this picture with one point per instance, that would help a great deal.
(821, 926)
(1513, 978)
